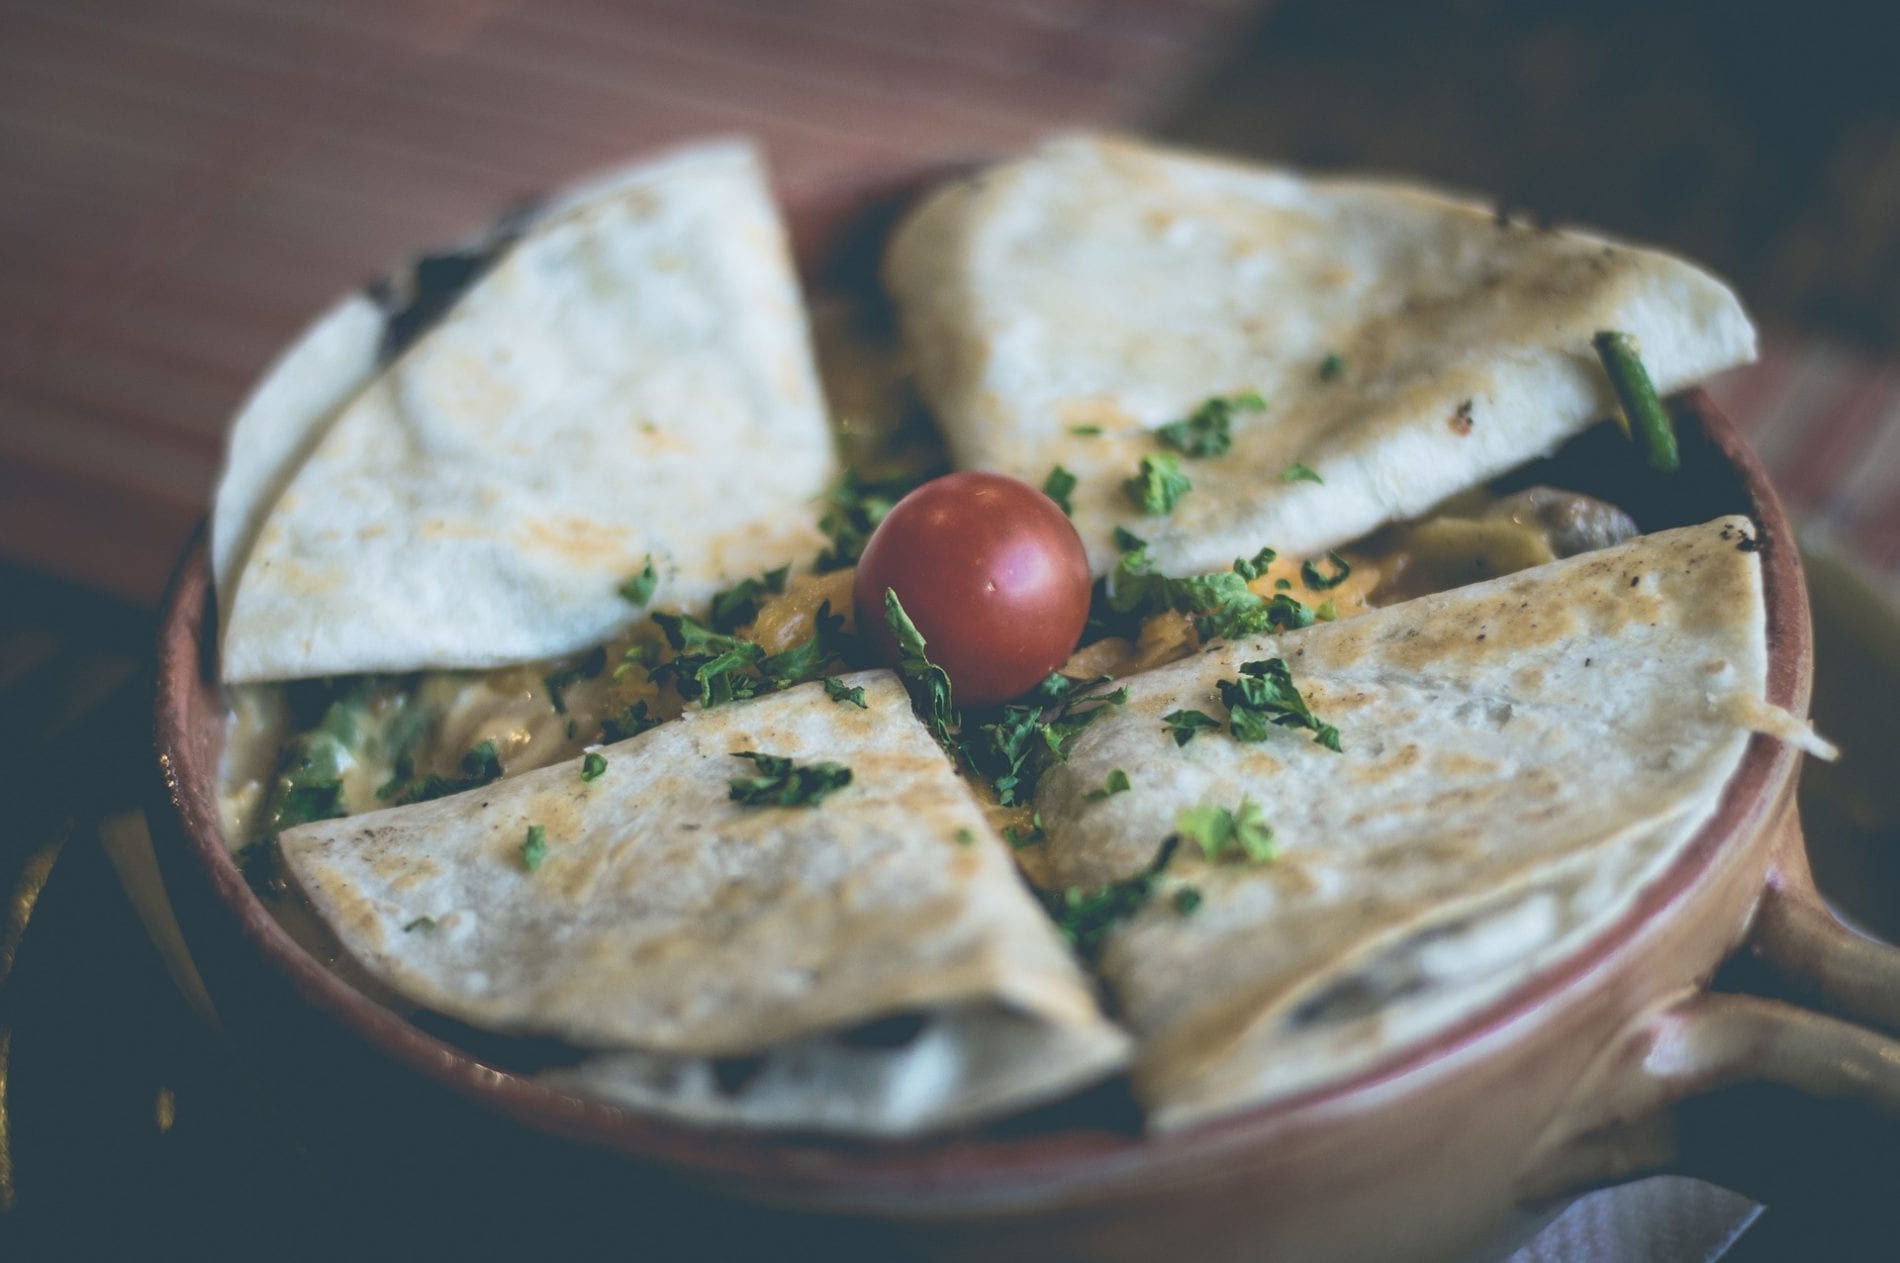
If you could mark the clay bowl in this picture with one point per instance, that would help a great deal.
(1597, 1070)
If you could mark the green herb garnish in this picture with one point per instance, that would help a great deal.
(1020, 838)
(1025, 739)
(738, 605)
(630, 722)
(1333, 367)
(1297, 472)
(1158, 486)
(1058, 486)
(929, 685)
(966, 837)
(1085, 431)
(783, 783)
(707, 665)
(420, 923)
(1187, 900)
(1648, 420)
(586, 669)
(593, 765)
(639, 589)
(1221, 603)
(479, 766)
(1087, 919)
(1241, 834)
(1310, 573)
(806, 659)
(1264, 697)
(1251, 568)
(1186, 724)
(535, 849)
(1117, 783)
(1207, 430)
(855, 507)
(835, 689)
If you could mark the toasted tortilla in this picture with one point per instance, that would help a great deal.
(1521, 758)
(1105, 285)
(669, 927)
(286, 413)
(632, 379)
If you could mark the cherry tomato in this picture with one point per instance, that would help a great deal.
(990, 571)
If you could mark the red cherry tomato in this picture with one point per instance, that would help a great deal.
(992, 573)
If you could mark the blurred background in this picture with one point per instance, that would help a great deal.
(185, 183)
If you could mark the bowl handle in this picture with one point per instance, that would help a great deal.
(1784, 1084)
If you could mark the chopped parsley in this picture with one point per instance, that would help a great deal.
(1333, 367)
(1020, 838)
(1310, 573)
(782, 783)
(835, 689)
(630, 722)
(810, 656)
(1087, 919)
(593, 765)
(483, 761)
(928, 683)
(738, 605)
(535, 849)
(1251, 568)
(1263, 697)
(1241, 834)
(1187, 900)
(479, 766)
(639, 589)
(966, 837)
(1058, 486)
(1221, 603)
(1207, 430)
(309, 782)
(1117, 783)
(420, 923)
(300, 804)
(716, 667)
(1186, 724)
(1326, 611)
(1297, 472)
(1085, 431)
(855, 507)
(1158, 485)
(1025, 739)
(586, 669)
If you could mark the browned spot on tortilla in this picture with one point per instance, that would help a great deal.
(1460, 420)
(1456, 763)
(576, 539)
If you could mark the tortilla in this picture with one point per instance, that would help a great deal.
(669, 927)
(601, 396)
(1521, 758)
(1105, 285)
(278, 424)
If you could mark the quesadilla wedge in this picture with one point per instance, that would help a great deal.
(866, 954)
(1517, 760)
(594, 402)
(1223, 356)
